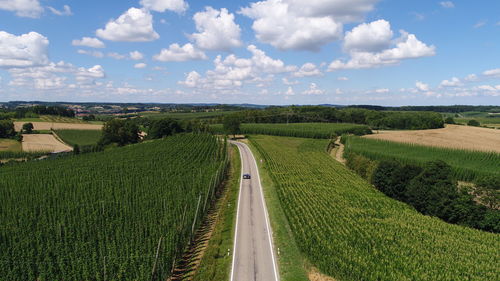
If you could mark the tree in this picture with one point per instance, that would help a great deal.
(232, 124)
(392, 178)
(120, 131)
(76, 149)
(474, 123)
(433, 191)
(163, 128)
(7, 129)
(449, 120)
(28, 128)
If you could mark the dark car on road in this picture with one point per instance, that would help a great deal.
(246, 176)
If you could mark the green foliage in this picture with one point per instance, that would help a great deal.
(120, 132)
(99, 216)
(231, 124)
(392, 178)
(28, 128)
(305, 130)
(449, 120)
(373, 118)
(7, 129)
(474, 123)
(351, 231)
(163, 128)
(467, 165)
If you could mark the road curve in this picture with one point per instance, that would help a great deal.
(253, 253)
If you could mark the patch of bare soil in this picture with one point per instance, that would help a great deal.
(453, 136)
(43, 142)
(315, 275)
(46, 126)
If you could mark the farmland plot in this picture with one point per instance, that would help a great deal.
(101, 216)
(351, 231)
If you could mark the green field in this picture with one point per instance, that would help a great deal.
(351, 231)
(79, 137)
(467, 165)
(185, 116)
(10, 145)
(100, 216)
(305, 130)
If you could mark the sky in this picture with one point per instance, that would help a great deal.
(380, 52)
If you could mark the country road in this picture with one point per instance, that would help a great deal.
(253, 253)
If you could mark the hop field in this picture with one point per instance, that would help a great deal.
(351, 231)
(304, 130)
(467, 165)
(100, 216)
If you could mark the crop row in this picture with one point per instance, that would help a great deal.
(467, 165)
(101, 216)
(351, 231)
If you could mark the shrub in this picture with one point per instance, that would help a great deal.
(474, 123)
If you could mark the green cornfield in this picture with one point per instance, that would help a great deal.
(6, 155)
(467, 165)
(101, 216)
(351, 231)
(79, 137)
(304, 130)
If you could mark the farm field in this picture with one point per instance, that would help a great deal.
(305, 130)
(467, 165)
(47, 126)
(351, 231)
(82, 218)
(453, 136)
(10, 145)
(79, 137)
(188, 115)
(43, 142)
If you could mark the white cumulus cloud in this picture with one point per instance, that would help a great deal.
(29, 49)
(96, 54)
(422, 86)
(492, 73)
(294, 24)
(313, 90)
(177, 53)
(216, 30)
(136, 55)
(308, 70)
(178, 6)
(65, 12)
(135, 25)
(453, 82)
(140, 65)
(22, 8)
(407, 46)
(447, 4)
(89, 42)
(369, 37)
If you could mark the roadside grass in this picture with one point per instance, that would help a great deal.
(10, 145)
(216, 263)
(79, 137)
(292, 265)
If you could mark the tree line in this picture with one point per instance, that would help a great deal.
(373, 118)
(430, 189)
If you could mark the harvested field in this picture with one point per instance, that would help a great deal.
(44, 126)
(453, 136)
(42, 142)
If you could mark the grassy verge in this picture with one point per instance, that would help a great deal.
(292, 266)
(216, 263)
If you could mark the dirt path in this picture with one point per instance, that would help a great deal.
(453, 136)
(338, 152)
(43, 142)
(46, 126)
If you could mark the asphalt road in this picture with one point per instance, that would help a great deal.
(253, 254)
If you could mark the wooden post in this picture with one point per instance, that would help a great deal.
(153, 272)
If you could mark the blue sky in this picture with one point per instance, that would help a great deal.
(384, 52)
